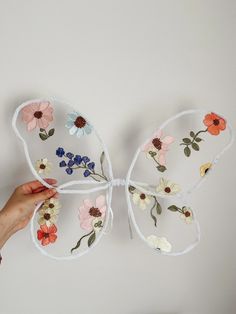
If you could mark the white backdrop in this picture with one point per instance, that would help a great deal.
(128, 64)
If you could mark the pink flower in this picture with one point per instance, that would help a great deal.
(89, 212)
(38, 114)
(159, 146)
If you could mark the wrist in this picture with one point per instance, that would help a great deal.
(5, 228)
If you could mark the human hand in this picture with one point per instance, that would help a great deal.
(19, 209)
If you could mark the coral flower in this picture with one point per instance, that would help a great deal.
(214, 123)
(38, 114)
(47, 234)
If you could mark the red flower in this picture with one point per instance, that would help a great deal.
(214, 123)
(47, 234)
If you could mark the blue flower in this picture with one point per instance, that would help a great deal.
(78, 125)
(78, 160)
(87, 173)
(91, 165)
(62, 163)
(69, 155)
(69, 170)
(85, 159)
(71, 163)
(60, 152)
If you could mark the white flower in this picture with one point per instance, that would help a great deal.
(160, 243)
(47, 216)
(167, 187)
(97, 224)
(141, 199)
(187, 215)
(43, 166)
(51, 203)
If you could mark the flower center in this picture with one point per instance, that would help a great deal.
(46, 235)
(216, 121)
(142, 196)
(187, 214)
(95, 212)
(51, 205)
(167, 189)
(157, 143)
(42, 166)
(80, 122)
(206, 170)
(47, 216)
(38, 114)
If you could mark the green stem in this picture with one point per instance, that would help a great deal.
(78, 243)
(194, 138)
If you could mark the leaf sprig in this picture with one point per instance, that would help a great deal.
(192, 142)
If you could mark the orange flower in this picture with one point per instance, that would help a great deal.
(214, 123)
(47, 234)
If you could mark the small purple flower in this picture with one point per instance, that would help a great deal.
(87, 173)
(91, 165)
(85, 159)
(78, 160)
(69, 170)
(69, 155)
(62, 163)
(60, 152)
(71, 163)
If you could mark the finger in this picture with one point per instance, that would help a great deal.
(29, 187)
(44, 195)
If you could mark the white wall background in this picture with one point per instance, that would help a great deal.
(129, 64)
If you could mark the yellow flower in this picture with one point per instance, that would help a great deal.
(204, 168)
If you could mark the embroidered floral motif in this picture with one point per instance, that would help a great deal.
(43, 166)
(142, 200)
(47, 234)
(48, 213)
(215, 124)
(157, 148)
(78, 125)
(185, 212)
(159, 243)
(204, 168)
(72, 162)
(167, 187)
(38, 115)
(91, 218)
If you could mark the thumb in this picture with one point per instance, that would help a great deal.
(42, 196)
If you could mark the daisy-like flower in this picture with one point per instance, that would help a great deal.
(187, 214)
(43, 166)
(141, 199)
(204, 168)
(90, 213)
(78, 125)
(167, 187)
(159, 243)
(38, 114)
(48, 213)
(47, 234)
(52, 203)
(214, 123)
(158, 147)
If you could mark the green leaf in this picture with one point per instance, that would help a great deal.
(158, 209)
(102, 157)
(152, 154)
(187, 151)
(173, 208)
(198, 139)
(187, 140)
(153, 217)
(195, 146)
(43, 136)
(42, 130)
(192, 134)
(91, 239)
(161, 168)
(131, 189)
(51, 132)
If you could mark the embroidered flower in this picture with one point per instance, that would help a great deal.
(141, 199)
(48, 216)
(204, 168)
(167, 187)
(43, 166)
(159, 243)
(157, 148)
(38, 115)
(187, 214)
(89, 211)
(78, 125)
(47, 234)
(215, 124)
(60, 152)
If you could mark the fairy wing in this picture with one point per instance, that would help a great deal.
(61, 143)
(166, 168)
